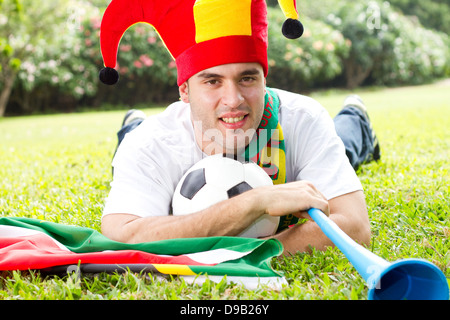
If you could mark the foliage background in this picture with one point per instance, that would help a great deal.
(50, 57)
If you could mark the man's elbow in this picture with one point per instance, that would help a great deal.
(116, 227)
(362, 233)
(365, 236)
(115, 234)
(358, 230)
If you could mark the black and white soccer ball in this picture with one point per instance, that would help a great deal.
(217, 178)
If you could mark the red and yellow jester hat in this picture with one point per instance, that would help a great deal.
(199, 34)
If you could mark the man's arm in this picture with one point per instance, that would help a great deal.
(221, 219)
(227, 218)
(348, 211)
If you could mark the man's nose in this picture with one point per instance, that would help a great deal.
(232, 96)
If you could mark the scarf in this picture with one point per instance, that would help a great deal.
(268, 149)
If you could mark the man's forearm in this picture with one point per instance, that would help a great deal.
(227, 218)
(348, 212)
(303, 237)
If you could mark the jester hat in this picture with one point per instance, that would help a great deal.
(199, 34)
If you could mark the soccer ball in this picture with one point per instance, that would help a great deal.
(217, 178)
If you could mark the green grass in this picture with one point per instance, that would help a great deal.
(57, 168)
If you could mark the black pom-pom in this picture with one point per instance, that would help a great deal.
(292, 29)
(109, 76)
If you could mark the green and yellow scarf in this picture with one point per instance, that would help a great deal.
(268, 149)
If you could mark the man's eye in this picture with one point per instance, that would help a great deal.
(247, 79)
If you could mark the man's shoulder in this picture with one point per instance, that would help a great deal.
(294, 100)
(167, 128)
(170, 118)
(173, 118)
(298, 105)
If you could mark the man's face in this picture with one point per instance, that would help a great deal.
(227, 104)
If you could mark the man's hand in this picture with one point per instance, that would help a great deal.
(291, 198)
(348, 211)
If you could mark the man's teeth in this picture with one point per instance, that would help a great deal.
(232, 120)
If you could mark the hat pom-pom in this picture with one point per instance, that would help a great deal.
(292, 29)
(109, 76)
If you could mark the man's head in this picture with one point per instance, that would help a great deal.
(220, 48)
(227, 104)
(199, 34)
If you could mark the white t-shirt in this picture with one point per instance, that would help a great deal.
(153, 158)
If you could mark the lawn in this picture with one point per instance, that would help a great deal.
(57, 168)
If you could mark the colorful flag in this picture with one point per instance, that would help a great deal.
(31, 244)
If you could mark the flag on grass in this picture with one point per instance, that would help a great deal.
(31, 244)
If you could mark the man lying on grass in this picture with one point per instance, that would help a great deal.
(222, 67)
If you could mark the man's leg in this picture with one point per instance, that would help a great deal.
(354, 128)
(133, 118)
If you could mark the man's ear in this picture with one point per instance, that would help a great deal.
(183, 89)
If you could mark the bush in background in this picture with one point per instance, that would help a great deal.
(388, 48)
(433, 14)
(345, 44)
(52, 55)
(310, 61)
(146, 69)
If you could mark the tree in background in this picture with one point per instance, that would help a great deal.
(311, 61)
(387, 47)
(9, 57)
(434, 14)
(39, 47)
